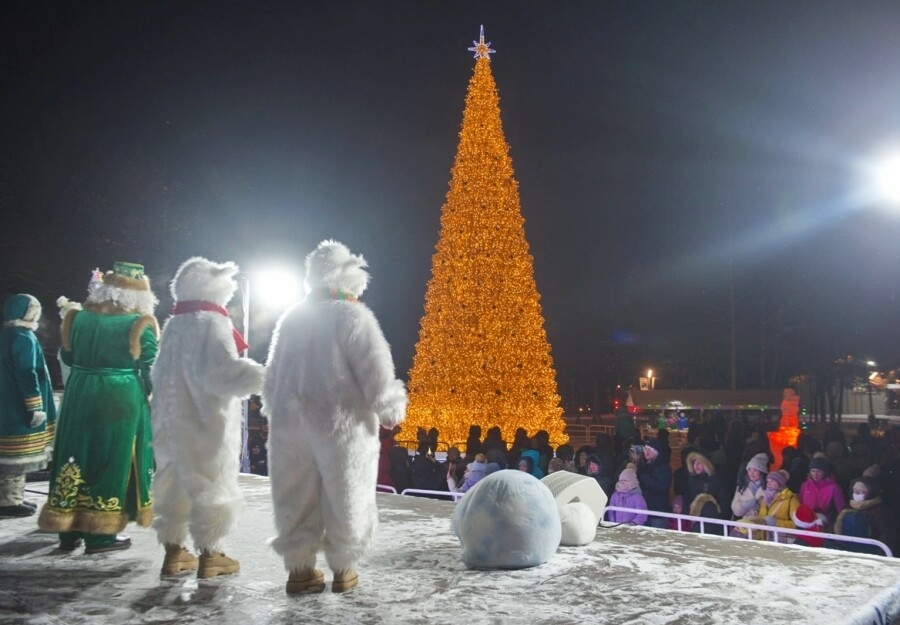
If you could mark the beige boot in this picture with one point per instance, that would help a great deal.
(178, 560)
(344, 581)
(305, 581)
(214, 563)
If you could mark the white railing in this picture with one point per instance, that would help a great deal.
(443, 494)
(774, 530)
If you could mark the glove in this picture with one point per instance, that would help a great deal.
(37, 418)
(770, 520)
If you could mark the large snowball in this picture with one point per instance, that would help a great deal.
(509, 520)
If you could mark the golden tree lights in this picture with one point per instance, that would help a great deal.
(483, 356)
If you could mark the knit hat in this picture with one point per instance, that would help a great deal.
(780, 477)
(805, 518)
(628, 480)
(820, 462)
(760, 462)
(654, 444)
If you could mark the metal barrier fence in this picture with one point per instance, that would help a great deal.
(775, 531)
(701, 522)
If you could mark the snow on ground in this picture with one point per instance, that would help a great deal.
(628, 575)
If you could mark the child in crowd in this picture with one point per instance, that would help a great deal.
(679, 525)
(627, 494)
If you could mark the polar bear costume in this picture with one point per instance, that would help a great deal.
(330, 383)
(198, 378)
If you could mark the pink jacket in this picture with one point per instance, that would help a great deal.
(824, 496)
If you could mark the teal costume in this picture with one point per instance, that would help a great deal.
(103, 460)
(24, 391)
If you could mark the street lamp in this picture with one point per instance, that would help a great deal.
(887, 177)
(274, 289)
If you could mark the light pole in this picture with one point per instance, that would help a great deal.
(276, 290)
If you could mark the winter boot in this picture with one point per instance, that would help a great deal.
(178, 560)
(344, 581)
(305, 581)
(214, 563)
(115, 543)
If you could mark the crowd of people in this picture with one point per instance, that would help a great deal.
(825, 484)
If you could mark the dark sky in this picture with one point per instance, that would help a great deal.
(665, 151)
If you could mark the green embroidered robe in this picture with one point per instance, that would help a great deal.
(103, 459)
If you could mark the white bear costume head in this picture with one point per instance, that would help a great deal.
(201, 279)
(331, 266)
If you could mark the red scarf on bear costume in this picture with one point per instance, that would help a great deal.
(192, 306)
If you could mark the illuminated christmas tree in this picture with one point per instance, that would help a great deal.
(483, 356)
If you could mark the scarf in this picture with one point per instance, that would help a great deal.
(769, 495)
(192, 306)
(865, 504)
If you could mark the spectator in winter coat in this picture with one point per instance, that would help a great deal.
(475, 472)
(473, 442)
(428, 473)
(456, 469)
(707, 493)
(401, 468)
(581, 457)
(821, 492)
(745, 502)
(867, 517)
(535, 458)
(655, 478)
(599, 470)
(679, 525)
(494, 440)
(680, 475)
(777, 506)
(628, 495)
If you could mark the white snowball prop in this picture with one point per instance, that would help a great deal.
(509, 520)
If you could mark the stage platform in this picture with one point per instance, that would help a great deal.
(628, 575)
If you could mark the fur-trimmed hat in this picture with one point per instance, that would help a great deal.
(332, 267)
(780, 477)
(125, 288)
(804, 517)
(706, 462)
(760, 462)
(22, 310)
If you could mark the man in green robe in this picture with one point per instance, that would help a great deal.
(27, 411)
(103, 460)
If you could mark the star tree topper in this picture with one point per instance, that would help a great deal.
(481, 49)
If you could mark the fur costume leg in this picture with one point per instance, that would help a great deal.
(172, 507)
(216, 504)
(350, 511)
(296, 497)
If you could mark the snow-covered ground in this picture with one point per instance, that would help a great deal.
(627, 575)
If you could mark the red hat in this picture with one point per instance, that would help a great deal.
(805, 518)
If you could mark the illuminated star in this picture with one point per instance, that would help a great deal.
(481, 49)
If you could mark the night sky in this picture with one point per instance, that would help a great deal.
(668, 154)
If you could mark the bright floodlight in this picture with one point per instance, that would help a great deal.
(274, 288)
(887, 176)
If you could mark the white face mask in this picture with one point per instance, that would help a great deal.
(859, 496)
